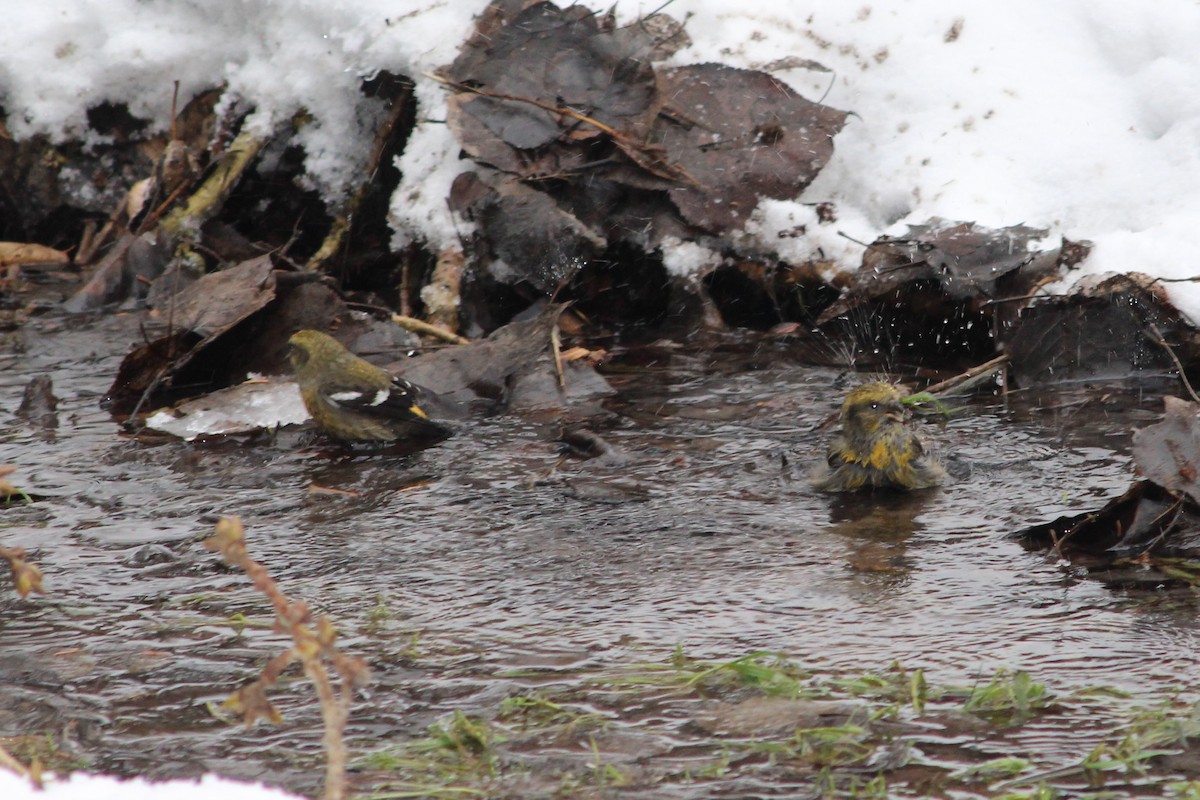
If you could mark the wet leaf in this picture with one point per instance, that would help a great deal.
(538, 241)
(251, 704)
(592, 148)
(543, 60)
(514, 367)
(1101, 331)
(38, 403)
(741, 135)
(26, 577)
(220, 300)
(966, 260)
(1134, 522)
(201, 316)
(1168, 452)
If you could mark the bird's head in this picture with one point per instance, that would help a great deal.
(309, 345)
(869, 407)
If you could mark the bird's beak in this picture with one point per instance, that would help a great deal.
(895, 416)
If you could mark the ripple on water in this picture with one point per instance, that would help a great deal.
(502, 555)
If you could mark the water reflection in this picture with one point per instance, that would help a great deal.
(877, 528)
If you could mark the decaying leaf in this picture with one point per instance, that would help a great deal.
(741, 135)
(513, 367)
(1158, 516)
(251, 704)
(1126, 525)
(26, 577)
(38, 403)
(966, 260)
(1168, 452)
(593, 148)
(946, 292)
(537, 241)
(544, 57)
(201, 313)
(1101, 331)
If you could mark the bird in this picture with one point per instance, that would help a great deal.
(353, 400)
(875, 449)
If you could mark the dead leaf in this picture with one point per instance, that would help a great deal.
(1168, 452)
(1101, 331)
(1132, 523)
(513, 367)
(966, 260)
(741, 135)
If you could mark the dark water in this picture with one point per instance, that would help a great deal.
(452, 568)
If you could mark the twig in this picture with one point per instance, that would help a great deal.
(424, 328)
(639, 153)
(31, 774)
(556, 351)
(207, 199)
(340, 229)
(1158, 339)
(969, 378)
(309, 646)
(406, 303)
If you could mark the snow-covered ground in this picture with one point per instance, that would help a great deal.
(1079, 115)
(99, 787)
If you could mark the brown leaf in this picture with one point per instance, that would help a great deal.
(26, 577)
(228, 539)
(965, 259)
(1099, 332)
(556, 59)
(1131, 523)
(513, 365)
(201, 314)
(1168, 452)
(741, 135)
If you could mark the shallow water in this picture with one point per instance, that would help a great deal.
(494, 553)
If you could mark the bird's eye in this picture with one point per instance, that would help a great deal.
(874, 405)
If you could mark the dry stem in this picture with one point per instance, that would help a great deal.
(969, 378)
(421, 327)
(309, 647)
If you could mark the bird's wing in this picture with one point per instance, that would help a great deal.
(397, 400)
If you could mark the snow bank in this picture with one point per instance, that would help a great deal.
(1080, 116)
(99, 787)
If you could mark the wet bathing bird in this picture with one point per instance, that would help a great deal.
(875, 448)
(354, 400)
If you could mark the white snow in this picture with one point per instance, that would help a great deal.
(101, 787)
(1081, 116)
